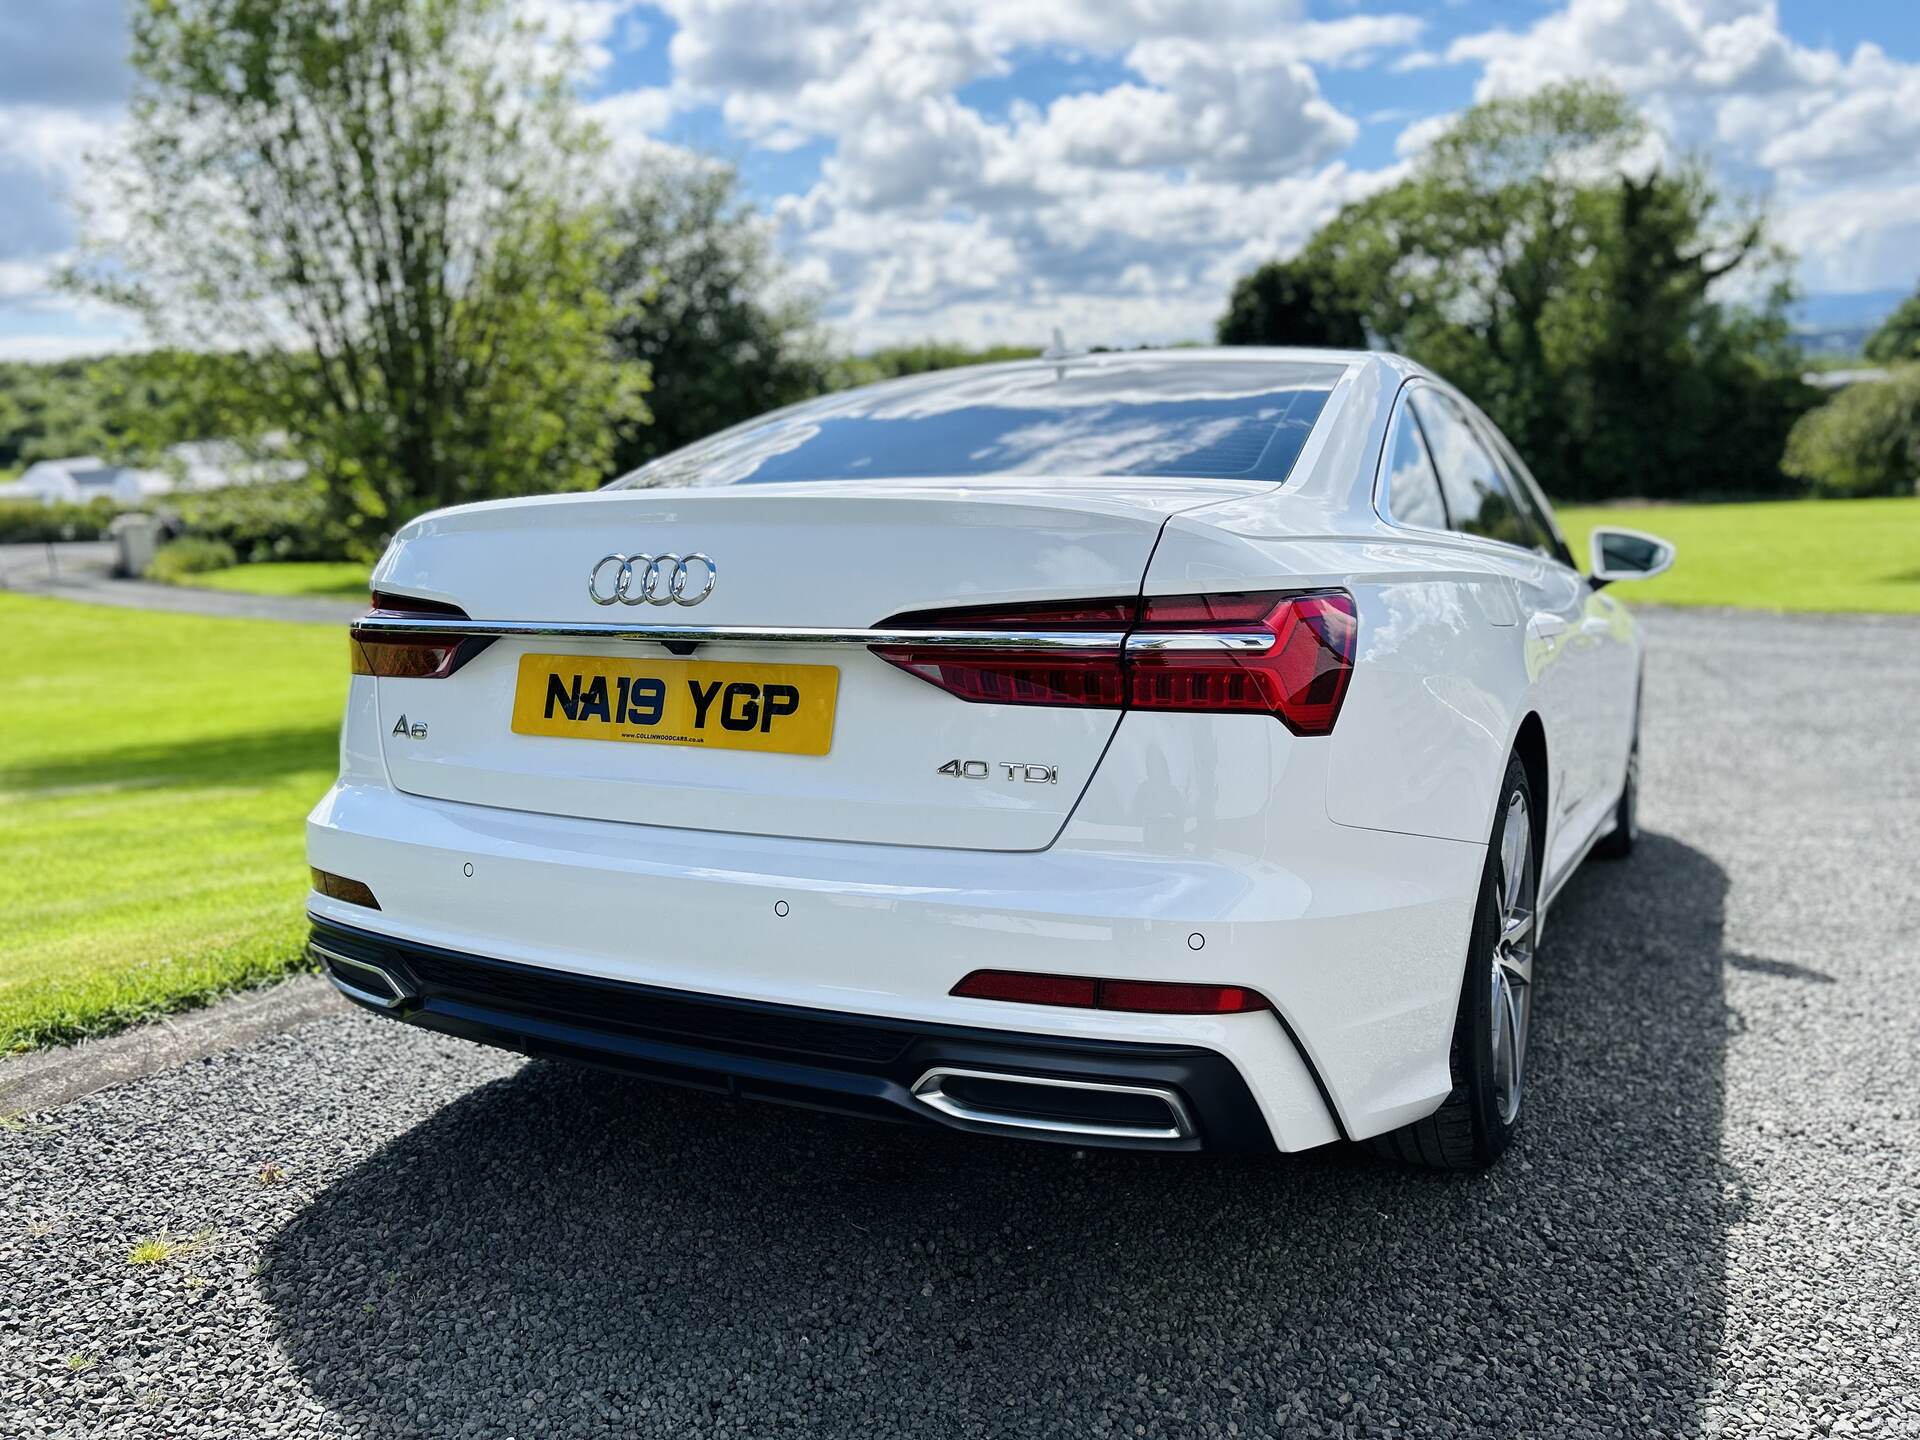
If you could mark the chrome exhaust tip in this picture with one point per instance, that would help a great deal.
(1096, 1109)
(360, 980)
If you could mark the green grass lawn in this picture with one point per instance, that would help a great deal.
(1780, 555)
(328, 579)
(154, 773)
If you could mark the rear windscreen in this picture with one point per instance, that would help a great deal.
(1100, 415)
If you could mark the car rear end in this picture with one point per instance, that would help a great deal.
(926, 797)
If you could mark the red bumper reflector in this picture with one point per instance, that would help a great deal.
(1152, 997)
(1029, 989)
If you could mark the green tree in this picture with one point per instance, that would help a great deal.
(118, 406)
(702, 308)
(1537, 260)
(1898, 337)
(1291, 302)
(1864, 441)
(380, 208)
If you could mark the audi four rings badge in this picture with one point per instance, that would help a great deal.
(656, 579)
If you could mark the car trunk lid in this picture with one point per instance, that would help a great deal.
(802, 730)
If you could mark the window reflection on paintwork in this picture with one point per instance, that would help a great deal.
(1108, 415)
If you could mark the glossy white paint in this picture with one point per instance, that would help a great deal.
(843, 556)
(1336, 875)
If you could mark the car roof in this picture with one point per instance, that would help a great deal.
(1214, 354)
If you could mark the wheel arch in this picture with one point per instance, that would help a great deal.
(1530, 744)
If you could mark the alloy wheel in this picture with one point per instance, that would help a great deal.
(1511, 975)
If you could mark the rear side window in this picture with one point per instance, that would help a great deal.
(1093, 416)
(1478, 497)
(1520, 481)
(1412, 495)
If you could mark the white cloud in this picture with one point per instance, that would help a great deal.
(43, 152)
(54, 142)
(22, 279)
(1121, 212)
(1817, 127)
(631, 121)
(1863, 237)
(931, 217)
(53, 346)
(1233, 110)
(588, 26)
(1417, 137)
(1722, 70)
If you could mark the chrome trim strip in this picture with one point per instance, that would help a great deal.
(1182, 642)
(928, 1092)
(738, 634)
(1158, 642)
(398, 996)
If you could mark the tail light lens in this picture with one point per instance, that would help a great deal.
(1300, 676)
(1286, 655)
(1008, 675)
(417, 656)
(1150, 997)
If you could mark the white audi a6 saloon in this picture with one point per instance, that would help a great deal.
(1170, 751)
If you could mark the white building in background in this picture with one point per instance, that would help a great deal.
(86, 477)
(1841, 379)
(216, 464)
(196, 465)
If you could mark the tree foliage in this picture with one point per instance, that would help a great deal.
(117, 406)
(703, 306)
(380, 208)
(1898, 338)
(1292, 302)
(1864, 441)
(1540, 260)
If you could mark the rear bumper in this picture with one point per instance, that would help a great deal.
(1357, 938)
(1078, 1092)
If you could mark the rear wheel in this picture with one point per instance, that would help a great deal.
(1489, 1053)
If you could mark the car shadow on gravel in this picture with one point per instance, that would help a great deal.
(565, 1252)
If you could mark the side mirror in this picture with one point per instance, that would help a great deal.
(1627, 555)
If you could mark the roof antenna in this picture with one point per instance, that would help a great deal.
(1058, 349)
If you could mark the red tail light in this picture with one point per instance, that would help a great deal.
(1301, 676)
(416, 656)
(1089, 676)
(1152, 997)
(1287, 655)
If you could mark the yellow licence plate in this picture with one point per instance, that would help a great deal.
(783, 708)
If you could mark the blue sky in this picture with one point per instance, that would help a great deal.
(983, 170)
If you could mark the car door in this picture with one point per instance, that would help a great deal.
(1605, 650)
(1481, 502)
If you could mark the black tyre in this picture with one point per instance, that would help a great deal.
(1489, 1054)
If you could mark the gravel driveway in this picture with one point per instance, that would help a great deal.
(1710, 1225)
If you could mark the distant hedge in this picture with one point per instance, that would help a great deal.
(264, 522)
(190, 555)
(28, 522)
